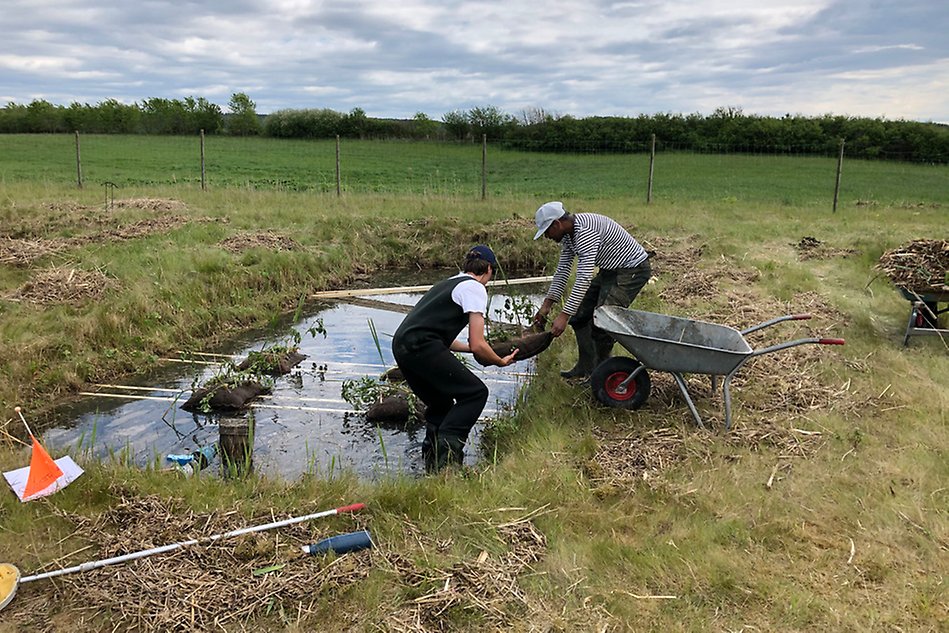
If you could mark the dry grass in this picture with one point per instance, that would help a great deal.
(920, 266)
(64, 284)
(200, 587)
(269, 240)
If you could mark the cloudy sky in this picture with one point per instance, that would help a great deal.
(393, 58)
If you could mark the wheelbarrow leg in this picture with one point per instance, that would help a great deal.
(688, 400)
(910, 324)
(726, 390)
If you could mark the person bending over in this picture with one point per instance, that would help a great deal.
(423, 344)
(594, 240)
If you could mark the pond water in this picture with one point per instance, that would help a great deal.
(304, 426)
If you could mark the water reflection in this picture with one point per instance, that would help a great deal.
(303, 426)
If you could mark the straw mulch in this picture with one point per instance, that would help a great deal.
(213, 586)
(812, 248)
(486, 585)
(922, 266)
(23, 252)
(268, 240)
(146, 204)
(64, 284)
(193, 588)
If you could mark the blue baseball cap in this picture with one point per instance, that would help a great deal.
(483, 252)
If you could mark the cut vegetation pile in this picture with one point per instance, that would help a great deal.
(64, 285)
(921, 266)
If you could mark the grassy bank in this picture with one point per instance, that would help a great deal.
(824, 509)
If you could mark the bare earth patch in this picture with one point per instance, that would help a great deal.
(63, 284)
(812, 248)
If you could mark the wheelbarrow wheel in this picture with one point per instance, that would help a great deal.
(610, 374)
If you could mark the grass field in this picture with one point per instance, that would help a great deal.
(456, 170)
(826, 508)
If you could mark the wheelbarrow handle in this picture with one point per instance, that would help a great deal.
(832, 341)
(781, 319)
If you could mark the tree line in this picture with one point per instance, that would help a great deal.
(728, 129)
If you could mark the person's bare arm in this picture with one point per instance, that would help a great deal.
(478, 345)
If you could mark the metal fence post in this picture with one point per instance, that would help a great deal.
(652, 162)
(840, 162)
(78, 162)
(339, 186)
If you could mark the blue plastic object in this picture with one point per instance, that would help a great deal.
(181, 460)
(341, 544)
(200, 458)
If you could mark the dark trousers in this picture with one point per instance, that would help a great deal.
(609, 288)
(454, 399)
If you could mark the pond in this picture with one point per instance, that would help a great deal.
(304, 425)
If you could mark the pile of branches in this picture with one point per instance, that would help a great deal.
(922, 266)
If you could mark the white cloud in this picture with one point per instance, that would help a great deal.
(579, 57)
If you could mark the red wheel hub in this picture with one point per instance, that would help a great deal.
(613, 389)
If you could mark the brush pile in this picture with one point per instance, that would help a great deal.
(922, 266)
(64, 284)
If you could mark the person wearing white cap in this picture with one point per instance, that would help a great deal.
(423, 344)
(594, 240)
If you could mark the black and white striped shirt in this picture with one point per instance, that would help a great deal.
(596, 241)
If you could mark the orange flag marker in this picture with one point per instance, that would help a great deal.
(43, 470)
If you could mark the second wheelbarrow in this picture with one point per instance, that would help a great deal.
(679, 346)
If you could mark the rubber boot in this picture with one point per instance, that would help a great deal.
(603, 344)
(448, 451)
(586, 353)
(428, 444)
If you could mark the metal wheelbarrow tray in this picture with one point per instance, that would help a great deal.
(679, 346)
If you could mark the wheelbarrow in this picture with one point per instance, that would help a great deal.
(924, 314)
(679, 346)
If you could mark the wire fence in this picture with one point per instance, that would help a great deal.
(657, 171)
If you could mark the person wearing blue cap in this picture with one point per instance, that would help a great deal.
(594, 240)
(423, 344)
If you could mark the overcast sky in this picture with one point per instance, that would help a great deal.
(393, 58)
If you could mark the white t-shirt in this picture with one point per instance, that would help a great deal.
(471, 295)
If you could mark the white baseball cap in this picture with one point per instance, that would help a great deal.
(546, 215)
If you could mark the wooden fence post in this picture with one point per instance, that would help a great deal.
(339, 186)
(840, 162)
(204, 181)
(652, 162)
(78, 162)
(484, 166)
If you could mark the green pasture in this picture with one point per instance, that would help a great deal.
(453, 169)
(824, 510)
